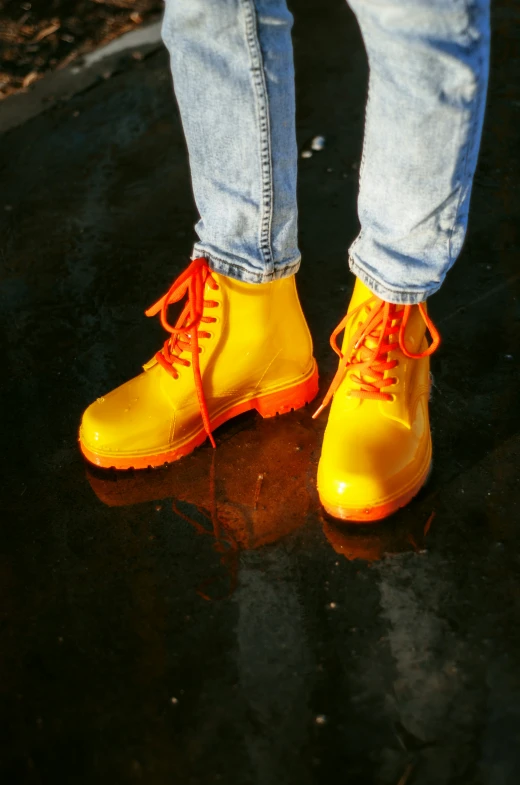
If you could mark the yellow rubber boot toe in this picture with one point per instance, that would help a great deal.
(376, 451)
(235, 347)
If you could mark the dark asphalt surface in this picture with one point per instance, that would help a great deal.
(195, 624)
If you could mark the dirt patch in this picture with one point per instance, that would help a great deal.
(37, 37)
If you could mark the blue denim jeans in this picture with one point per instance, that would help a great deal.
(233, 73)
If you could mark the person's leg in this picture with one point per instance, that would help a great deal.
(428, 64)
(233, 73)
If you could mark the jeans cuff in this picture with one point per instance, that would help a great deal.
(390, 295)
(242, 271)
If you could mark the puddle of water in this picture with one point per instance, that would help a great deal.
(256, 488)
(256, 485)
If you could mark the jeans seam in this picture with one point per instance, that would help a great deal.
(262, 106)
(363, 152)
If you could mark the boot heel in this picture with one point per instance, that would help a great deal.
(292, 398)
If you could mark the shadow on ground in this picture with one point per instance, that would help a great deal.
(205, 622)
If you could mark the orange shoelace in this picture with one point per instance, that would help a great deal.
(366, 357)
(184, 337)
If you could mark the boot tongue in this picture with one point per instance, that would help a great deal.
(372, 341)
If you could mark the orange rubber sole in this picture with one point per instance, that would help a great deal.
(269, 405)
(377, 513)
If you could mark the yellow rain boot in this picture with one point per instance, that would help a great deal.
(235, 347)
(377, 450)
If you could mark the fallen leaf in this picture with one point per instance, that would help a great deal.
(30, 78)
(47, 31)
(64, 63)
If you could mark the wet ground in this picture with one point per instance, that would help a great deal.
(205, 622)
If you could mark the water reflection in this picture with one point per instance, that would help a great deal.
(256, 488)
(403, 532)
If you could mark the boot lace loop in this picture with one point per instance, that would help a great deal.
(185, 334)
(366, 358)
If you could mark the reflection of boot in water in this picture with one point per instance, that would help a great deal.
(376, 541)
(254, 490)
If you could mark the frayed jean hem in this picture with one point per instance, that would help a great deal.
(242, 271)
(390, 295)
